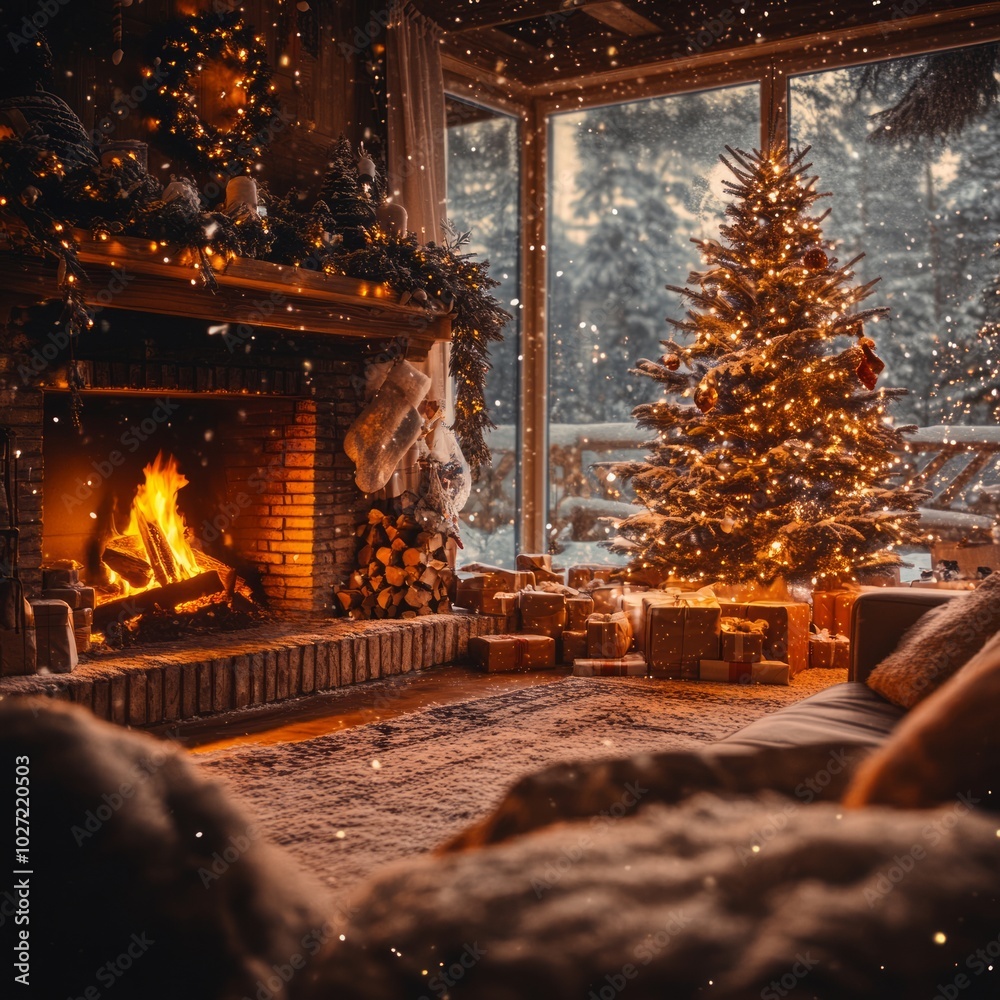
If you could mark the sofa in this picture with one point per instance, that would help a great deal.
(733, 871)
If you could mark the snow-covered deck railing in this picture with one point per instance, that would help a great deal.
(959, 465)
(974, 448)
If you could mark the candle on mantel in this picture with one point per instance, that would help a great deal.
(366, 168)
(391, 218)
(241, 191)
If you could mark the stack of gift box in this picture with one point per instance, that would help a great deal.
(606, 628)
(829, 645)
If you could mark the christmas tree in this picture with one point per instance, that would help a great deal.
(780, 468)
(347, 198)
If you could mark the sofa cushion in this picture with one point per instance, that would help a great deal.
(940, 642)
(946, 750)
(845, 713)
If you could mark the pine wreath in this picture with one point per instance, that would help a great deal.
(186, 49)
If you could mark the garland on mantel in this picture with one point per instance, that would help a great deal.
(51, 188)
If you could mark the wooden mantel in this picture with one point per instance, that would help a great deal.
(128, 273)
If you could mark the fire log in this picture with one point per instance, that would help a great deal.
(123, 555)
(169, 596)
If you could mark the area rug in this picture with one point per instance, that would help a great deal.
(347, 803)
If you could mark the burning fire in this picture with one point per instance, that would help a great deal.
(158, 524)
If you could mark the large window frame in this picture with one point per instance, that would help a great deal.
(770, 65)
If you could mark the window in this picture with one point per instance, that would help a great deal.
(483, 198)
(629, 186)
(926, 213)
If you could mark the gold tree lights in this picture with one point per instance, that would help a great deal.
(776, 460)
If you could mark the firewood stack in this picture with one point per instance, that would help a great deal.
(403, 570)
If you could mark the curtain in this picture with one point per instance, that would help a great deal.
(416, 154)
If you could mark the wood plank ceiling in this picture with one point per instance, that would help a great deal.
(549, 42)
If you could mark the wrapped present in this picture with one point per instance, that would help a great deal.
(574, 645)
(583, 573)
(729, 671)
(83, 621)
(508, 653)
(634, 605)
(832, 610)
(608, 635)
(540, 565)
(630, 665)
(843, 605)
(821, 650)
(678, 636)
(478, 591)
(743, 639)
(17, 631)
(763, 672)
(608, 597)
(71, 595)
(787, 636)
(826, 650)
(578, 610)
(542, 613)
(55, 646)
(842, 653)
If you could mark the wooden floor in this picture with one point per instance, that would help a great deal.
(374, 701)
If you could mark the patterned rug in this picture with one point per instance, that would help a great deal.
(349, 802)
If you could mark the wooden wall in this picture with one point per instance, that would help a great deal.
(316, 61)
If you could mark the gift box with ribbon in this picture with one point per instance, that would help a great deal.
(832, 610)
(478, 591)
(787, 636)
(743, 639)
(763, 672)
(574, 645)
(542, 613)
(826, 650)
(578, 610)
(541, 565)
(630, 665)
(608, 635)
(634, 604)
(508, 653)
(583, 573)
(678, 636)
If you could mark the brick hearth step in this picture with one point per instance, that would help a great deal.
(272, 663)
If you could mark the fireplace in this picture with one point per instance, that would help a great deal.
(256, 437)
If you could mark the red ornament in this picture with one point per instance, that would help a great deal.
(705, 397)
(870, 368)
(815, 259)
(671, 362)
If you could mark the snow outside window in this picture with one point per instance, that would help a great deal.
(926, 213)
(483, 197)
(629, 186)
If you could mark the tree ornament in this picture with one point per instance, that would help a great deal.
(671, 362)
(727, 524)
(705, 397)
(223, 41)
(870, 368)
(815, 259)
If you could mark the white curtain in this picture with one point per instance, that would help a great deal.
(416, 154)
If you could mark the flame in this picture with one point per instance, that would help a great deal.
(156, 503)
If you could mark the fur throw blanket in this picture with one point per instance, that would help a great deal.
(638, 882)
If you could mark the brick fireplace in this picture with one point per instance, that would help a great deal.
(251, 390)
